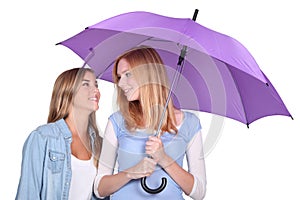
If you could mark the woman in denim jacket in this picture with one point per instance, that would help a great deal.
(60, 158)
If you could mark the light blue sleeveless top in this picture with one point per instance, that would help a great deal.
(131, 150)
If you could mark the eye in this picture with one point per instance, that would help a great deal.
(85, 83)
(128, 74)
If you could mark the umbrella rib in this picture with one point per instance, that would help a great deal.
(238, 89)
(157, 40)
(108, 66)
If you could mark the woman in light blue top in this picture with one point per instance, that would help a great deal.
(142, 90)
(54, 153)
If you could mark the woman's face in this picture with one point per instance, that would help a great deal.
(88, 95)
(126, 81)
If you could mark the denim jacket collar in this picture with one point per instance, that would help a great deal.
(64, 129)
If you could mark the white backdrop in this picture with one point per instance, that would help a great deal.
(257, 163)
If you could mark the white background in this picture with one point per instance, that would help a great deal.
(257, 163)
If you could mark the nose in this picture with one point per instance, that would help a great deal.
(121, 82)
(96, 90)
(97, 93)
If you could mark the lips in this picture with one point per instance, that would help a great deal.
(126, 91)
(94, 99)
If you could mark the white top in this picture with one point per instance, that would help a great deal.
(83, 175)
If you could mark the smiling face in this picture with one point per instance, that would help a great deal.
(127, 82)
(88, 95)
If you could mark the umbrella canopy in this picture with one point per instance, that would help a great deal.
(219, 76)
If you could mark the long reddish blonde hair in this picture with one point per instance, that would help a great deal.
(149, 71)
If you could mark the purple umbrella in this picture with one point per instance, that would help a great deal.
(214, 73)
(220, 76)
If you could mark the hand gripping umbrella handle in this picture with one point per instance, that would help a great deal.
(156, 190)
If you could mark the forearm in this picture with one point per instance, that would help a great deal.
(192, 182)
(154, 148)
(111, 183)
(196, 166)
(183, 178)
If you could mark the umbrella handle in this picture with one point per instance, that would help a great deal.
(154, 191)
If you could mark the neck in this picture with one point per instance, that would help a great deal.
(77, 123)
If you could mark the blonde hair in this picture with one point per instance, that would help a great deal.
(65, 87)
(149, 71)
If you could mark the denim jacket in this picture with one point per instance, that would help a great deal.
(46, 163)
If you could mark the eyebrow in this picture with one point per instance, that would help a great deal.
(123, 72)
(86, 80)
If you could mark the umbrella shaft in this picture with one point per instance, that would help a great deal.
(175, 79)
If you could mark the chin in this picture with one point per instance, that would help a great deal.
(132, 98)
(96, 108)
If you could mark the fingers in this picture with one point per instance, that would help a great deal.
(153, 143)
(150, 162)
(148, 166)
(154, 148)
(154, 139)
(144, 168)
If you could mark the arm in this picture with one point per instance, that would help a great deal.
(193, 182)
(107, 159)
(154, 148)
(33, 156)
(196, 165)
(106, 182)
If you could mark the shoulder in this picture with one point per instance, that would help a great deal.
(116, 114)
(190, 126)
(118, 123)
(191, 117)
(116, 118)
(183, 116)
(47, 135)
(52, 130)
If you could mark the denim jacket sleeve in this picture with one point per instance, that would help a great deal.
(33, 157)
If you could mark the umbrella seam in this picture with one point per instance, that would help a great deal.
(238, 89)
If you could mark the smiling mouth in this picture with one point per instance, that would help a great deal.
(93, 99)
(126, 91)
